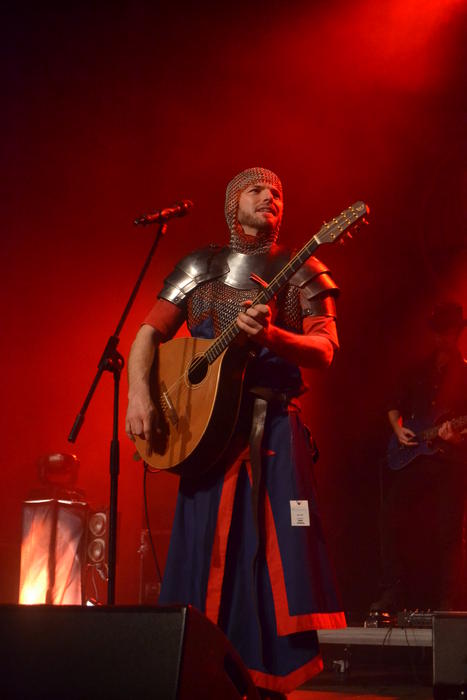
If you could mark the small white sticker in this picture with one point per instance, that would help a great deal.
(299, 514)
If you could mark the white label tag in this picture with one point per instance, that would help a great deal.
(299, 514)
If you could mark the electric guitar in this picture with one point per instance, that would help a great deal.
(196, 384)
(399, 456)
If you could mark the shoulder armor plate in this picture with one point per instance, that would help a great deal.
(314, 279)
(199, 266)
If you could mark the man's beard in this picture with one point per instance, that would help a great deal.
(263, 226)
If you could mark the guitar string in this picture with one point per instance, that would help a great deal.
(330, 226)
(232, 326)
(199, 361)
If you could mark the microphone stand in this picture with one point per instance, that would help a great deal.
(112, 361)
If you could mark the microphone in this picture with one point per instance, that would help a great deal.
(159, 217)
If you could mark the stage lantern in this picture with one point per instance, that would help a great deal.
(54, 522)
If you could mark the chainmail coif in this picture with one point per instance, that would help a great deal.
(239, 241)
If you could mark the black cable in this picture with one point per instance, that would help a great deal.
(381, 524)
(384, 645)
(387, 637)
(412, 661)
(146, 517)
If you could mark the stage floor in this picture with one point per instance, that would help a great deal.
(369, 686)
(403, 692)
(380, 663)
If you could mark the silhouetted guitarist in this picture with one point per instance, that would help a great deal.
(427, 455)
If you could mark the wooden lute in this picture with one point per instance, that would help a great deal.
(197, 383)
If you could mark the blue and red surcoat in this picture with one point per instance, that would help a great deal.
(265, 582)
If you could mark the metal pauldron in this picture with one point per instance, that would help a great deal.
(202, 265)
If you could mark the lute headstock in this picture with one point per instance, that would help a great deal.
(343, 225)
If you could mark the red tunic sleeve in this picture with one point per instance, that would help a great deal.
(166, 318)
(321, 325)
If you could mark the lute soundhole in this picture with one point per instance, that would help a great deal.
(198, 369)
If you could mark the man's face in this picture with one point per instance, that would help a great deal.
(260, 208)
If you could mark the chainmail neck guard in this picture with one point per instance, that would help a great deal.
(239, 241)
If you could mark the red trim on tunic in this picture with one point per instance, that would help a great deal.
(285, 684)
(221, 537)
(286, 623)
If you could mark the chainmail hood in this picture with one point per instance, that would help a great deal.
(239, 241)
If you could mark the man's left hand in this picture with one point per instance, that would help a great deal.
(254, 322)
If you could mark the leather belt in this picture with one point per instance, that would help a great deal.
(270, 395)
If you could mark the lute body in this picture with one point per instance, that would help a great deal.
(197, 414)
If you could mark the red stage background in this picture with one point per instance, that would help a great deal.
(110, 110)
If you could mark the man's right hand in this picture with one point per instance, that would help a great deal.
(405, 436)
(141, 419)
